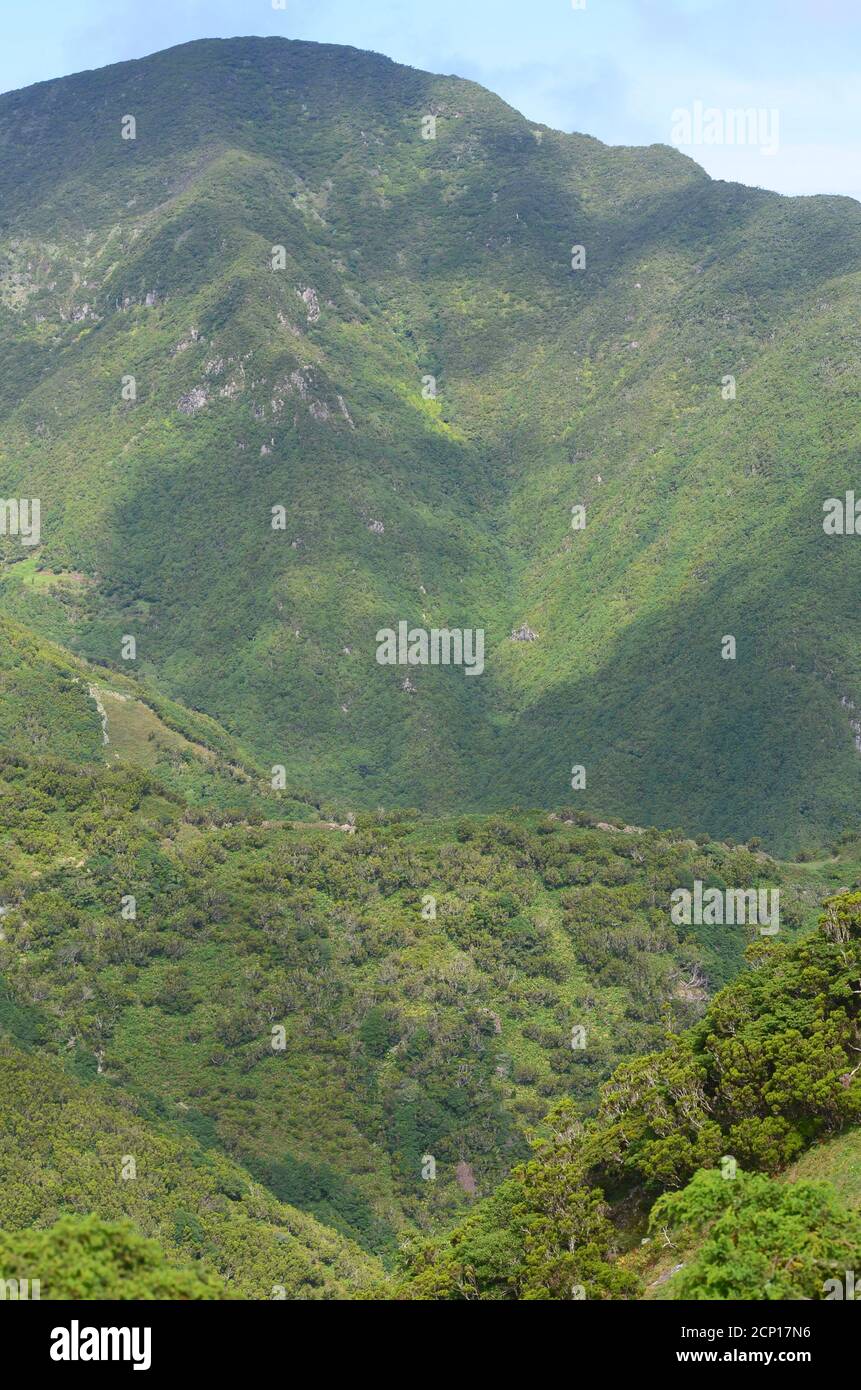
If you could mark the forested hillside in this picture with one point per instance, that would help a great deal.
(278, 294)
(428, 977)
(326, 978)
(370, 1020)
(174, 1218)
(708, 1122)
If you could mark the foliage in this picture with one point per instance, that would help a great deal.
(403, 1035)
(542, 1235)
(302, 388)
(769, 1070)
(70, 1150)
(759, 1239)
(85, 1258)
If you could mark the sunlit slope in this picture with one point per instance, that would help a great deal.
(383, 335)
(55, 705)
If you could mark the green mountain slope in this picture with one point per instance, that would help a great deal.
(696, 1132)
(334, 1006)
(302, 387)
(55, 705)
(837, 1162)
(70, 1148)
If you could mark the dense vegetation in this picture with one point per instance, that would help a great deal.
(428, 977)
(408, 258)
(259, 1036)
(53, 704)
(69, 1149)
(760, 1239)
(770, 1069)
(85, 1258)
(298, 1016)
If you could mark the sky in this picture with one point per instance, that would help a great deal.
(630, 72)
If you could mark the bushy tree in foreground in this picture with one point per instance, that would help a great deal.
(85, 1258)
(759, 1239)
(770, 1069)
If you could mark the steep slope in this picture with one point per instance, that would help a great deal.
(302, 381)
(335, 1009)
(704, 1125)
(71, 1148)
(837, 1162)
(55, 705)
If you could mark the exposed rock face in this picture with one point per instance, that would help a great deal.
(193, 401)
(312, 303)
(185, 343)
(466, 1178)
(102, 712)
(524, 634)
(308, 385)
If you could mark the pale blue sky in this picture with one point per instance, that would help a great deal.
(617, 69)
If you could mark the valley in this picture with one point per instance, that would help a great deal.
(327, 973)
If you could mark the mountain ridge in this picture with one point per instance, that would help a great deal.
(410, 260)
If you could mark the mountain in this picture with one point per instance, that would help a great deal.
(52, 704)
(300, 995)
(383, 334)
(321, 1046)
(72, 1151)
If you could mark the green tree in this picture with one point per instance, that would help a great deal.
(86, 1258)
(757, 1238)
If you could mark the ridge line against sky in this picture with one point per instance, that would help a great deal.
(631, 72)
